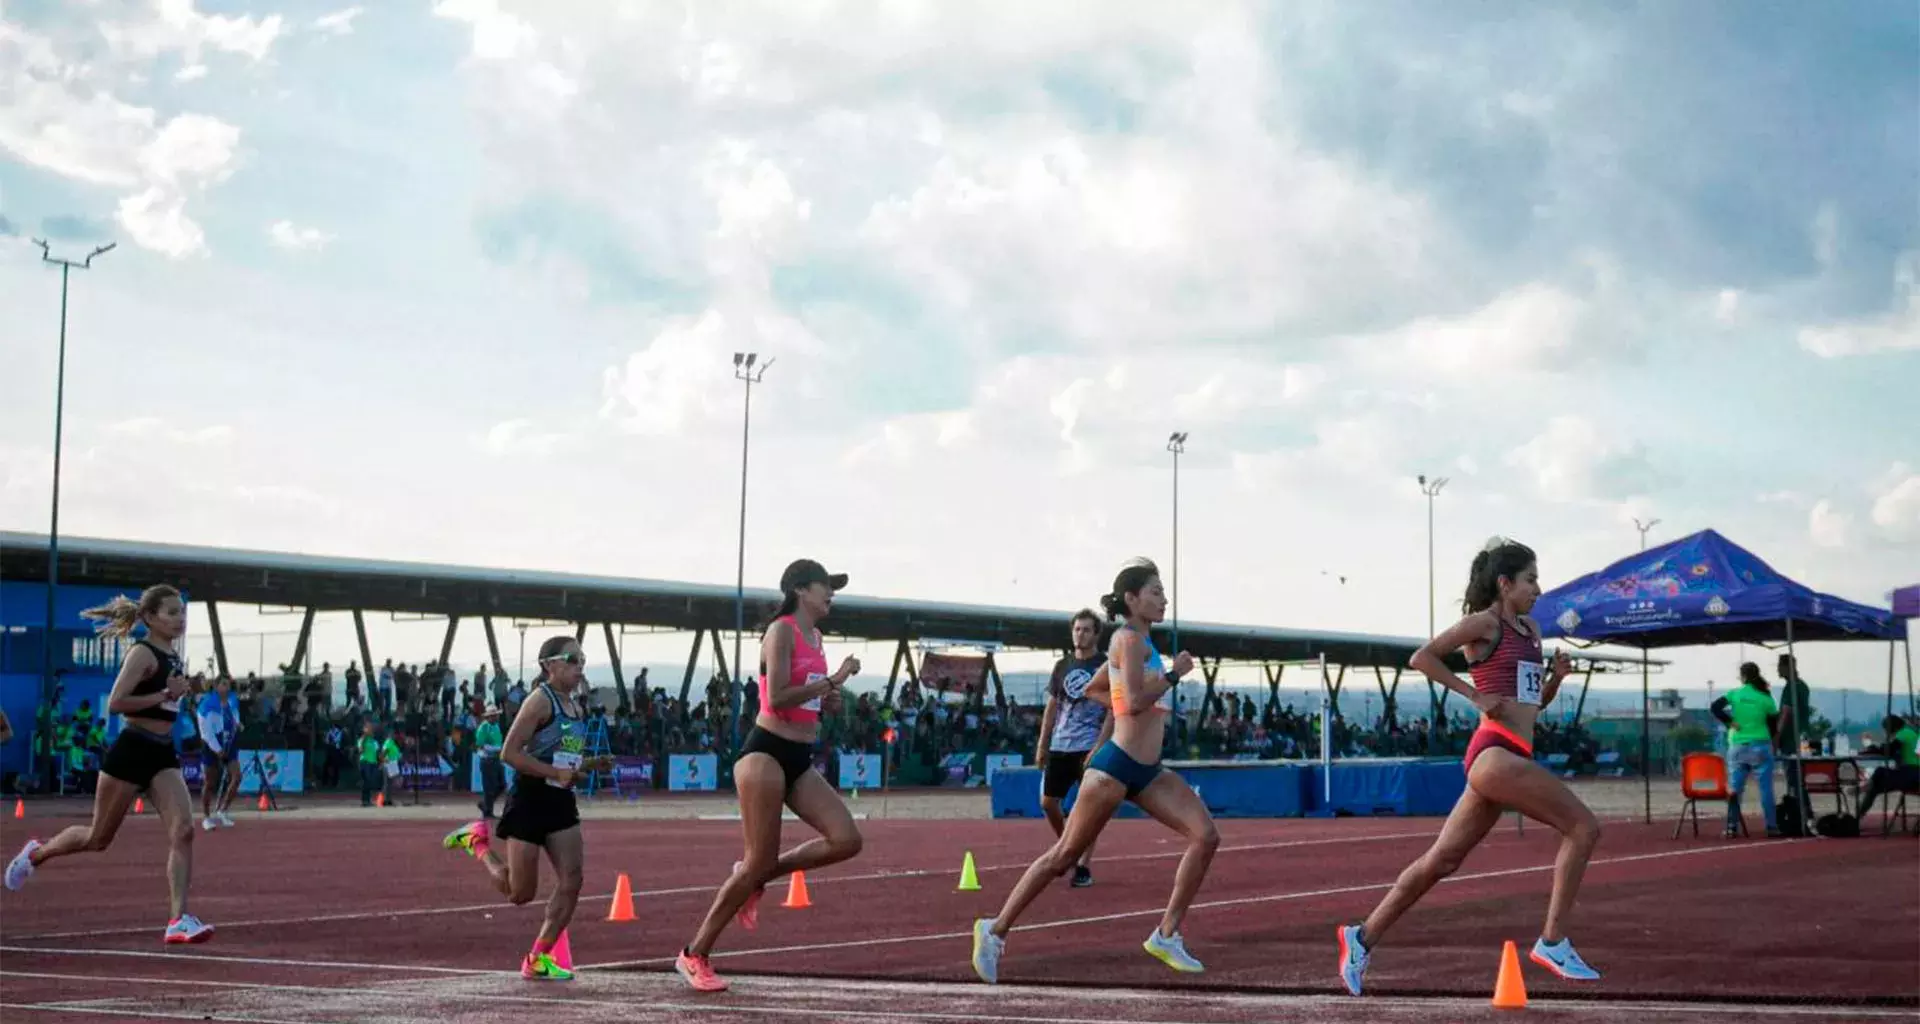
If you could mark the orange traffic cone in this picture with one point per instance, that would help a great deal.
(797, 892)
(380, 799)
(263, 801)
(563, 953)
(1510, 989)
(19, 808)
(622, 900)
(139, 805)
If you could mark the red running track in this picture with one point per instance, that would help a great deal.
(371, 904)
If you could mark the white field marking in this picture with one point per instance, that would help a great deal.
(1207, 905)
(813, 986)
(148, 954)
(468, 908)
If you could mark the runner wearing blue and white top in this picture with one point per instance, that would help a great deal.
(1071, 728)
(218, 716)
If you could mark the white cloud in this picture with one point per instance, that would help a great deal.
(61, 117)
(1896, 503)
(1898, 328)
(1824, 234)
(1828, 526)
(1574, 458)
(174, 26)
(190, 73)
(288, 235)
(522, 437)
(167, 434)
(1726, 305)
(339, 22)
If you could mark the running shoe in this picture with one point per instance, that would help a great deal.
(1353, 958)
(471, 837)
(699, 973)
(749, 915)
(1082, 877)
(20, 868)
(188, 928)
(987, 948)
(226, 820)
(1172, 951)
(1560, 958)
(543, 967)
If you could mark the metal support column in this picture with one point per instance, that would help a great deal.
(219, 639)
(300, 645)
(493, 645)
(613, 658)
(446, 644)
(693, 660)
(366, 655)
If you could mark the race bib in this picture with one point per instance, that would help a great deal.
(814, 704)
(1530, 682)
(566, 760)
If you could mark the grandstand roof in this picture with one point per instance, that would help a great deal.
(339, 584)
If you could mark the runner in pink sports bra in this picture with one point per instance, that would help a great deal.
(1510, 686)
(807, 667)
(775, 766)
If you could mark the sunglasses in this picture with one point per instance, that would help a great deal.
(571, 658)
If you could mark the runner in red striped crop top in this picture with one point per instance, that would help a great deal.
(1510, 686)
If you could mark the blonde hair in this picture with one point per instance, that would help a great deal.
(118, 616)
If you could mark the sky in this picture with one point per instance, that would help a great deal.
(461, 280)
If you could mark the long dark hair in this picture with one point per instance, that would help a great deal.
(1500, 558)
(1750, 675)
(1136, 574)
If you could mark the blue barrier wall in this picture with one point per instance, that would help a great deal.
(1271, 789)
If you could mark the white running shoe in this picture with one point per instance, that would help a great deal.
(987, 948)
(188, 928)
(1560, 958)
(226, 820)
(1172, 951)
(20, 868)
(209, 823)
(1353, 958)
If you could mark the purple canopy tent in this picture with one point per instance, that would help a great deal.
(1704, 589)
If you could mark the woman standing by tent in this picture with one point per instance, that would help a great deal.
(147, 695)
(1510, 686)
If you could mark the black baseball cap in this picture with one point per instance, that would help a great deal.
(806, 572)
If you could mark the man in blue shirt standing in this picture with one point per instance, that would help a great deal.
(218, 716)
(1073, 726)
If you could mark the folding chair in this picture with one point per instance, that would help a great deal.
(1702, 777)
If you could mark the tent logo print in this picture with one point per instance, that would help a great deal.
(1569, 620)
(1717, 607)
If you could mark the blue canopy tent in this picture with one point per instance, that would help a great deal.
(1703, 589)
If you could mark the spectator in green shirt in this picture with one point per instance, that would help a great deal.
(369, 764)
(1751, 718)
(487, 741)
(1903, 775)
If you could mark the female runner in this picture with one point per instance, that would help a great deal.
(545, 747)
(1510, 686)
(146, 694)
(776, 765)
(1136, 682)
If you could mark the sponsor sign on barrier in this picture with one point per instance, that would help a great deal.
(696, 773)
(633, 772)
(433, 772)
(286, 770)
(995, 762)
(859, 770)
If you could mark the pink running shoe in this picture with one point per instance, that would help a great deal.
(698, 973)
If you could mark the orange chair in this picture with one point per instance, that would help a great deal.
(1702, 777)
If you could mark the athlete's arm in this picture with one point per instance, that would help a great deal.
(1557, 670)
(1430, 659)
(1045, 745)
(139, 664)
(533, 713)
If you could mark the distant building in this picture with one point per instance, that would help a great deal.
(1619, 729)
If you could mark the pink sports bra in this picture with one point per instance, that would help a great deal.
(807, 665)
(1513, 668)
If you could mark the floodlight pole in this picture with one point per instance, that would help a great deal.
(748, 374)
(1643, 528)
(1646, 724)
(1431, 488)
(1176, 443)
(53, 527)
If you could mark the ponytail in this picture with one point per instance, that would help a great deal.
(1114, 605)
(1500, 558)
(118, 617)
(788, 605)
